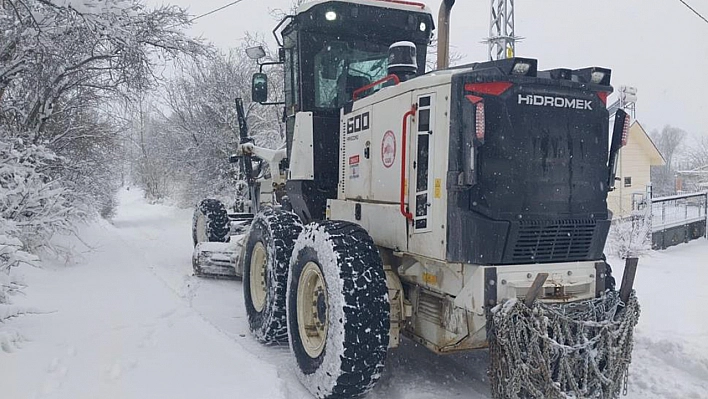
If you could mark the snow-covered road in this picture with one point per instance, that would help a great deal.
(126, 319)
(119, 324)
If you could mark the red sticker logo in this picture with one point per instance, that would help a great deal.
(353, 160)
(388, 149)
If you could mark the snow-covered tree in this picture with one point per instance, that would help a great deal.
(697, 154)
(58, 50)
(61, 63)
(670, 142)
(191, 137)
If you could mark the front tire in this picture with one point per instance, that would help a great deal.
(210, 222)
(338, 310)
(265, 273)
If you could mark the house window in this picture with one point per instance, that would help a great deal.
(628, 182)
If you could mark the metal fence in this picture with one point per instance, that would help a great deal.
(678, 218)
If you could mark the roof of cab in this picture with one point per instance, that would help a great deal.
(394, 4)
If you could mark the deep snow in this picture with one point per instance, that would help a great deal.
(126, 319)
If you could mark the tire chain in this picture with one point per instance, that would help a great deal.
(555, 351)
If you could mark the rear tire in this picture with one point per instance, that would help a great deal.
(210, 222)
(338, 310)
(610, 283)
(265, 273)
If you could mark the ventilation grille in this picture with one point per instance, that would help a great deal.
(429, 308)
(564, 240)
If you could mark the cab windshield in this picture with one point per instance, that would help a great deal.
(341, 68)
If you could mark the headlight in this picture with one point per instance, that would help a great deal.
(521, 68)
(597, 76)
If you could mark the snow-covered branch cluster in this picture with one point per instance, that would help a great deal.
(53, 48)
(630, 236)
(182, 148)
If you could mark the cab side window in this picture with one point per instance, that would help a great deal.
(329, 65)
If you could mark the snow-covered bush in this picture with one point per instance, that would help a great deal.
(88, 143)
(28, 206)
(33, 206)
(630, 236)
(11, 255)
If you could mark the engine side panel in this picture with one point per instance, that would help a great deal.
(383, 222)
(370, 161)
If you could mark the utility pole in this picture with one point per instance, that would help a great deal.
(502, 38)
(626, 100)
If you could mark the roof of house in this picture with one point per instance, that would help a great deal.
(638, 134)
(700, 171)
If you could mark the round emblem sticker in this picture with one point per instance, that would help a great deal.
(388, 149)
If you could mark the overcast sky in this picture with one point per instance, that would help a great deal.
(659, 46)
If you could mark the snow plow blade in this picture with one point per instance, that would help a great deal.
(217, 259)
(559, 351)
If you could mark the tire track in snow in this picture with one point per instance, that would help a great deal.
(441, 376)
(188, 290)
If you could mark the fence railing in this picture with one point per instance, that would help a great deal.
(677, 210)
(678, 218)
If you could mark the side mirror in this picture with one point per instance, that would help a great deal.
(255, 53)
(259, 87)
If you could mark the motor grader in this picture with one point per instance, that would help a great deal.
(462, 208)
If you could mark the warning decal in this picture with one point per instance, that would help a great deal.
(354, 167)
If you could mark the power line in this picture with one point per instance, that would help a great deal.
(694, 11)
(219, 9)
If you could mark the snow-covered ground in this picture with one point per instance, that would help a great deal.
(126, 319)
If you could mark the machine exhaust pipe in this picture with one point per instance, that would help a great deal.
(444, 33)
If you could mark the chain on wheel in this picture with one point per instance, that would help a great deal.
(553, 351)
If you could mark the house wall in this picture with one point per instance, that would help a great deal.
(634, 163)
